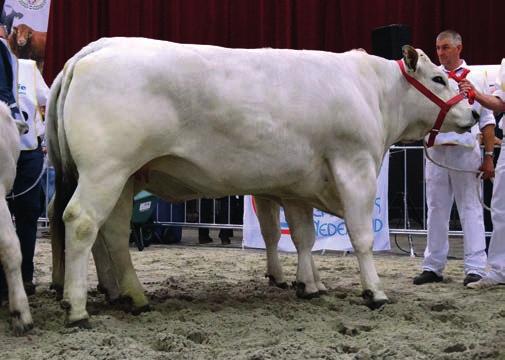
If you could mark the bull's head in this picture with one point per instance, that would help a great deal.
(440, 100)
(22, 33)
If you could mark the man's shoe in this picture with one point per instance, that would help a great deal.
(470, 278)
(427, 277)
(225, 240)
(205, 240)
(484, 283)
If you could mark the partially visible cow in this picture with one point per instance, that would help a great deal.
(300, 129)
(27, 43)
(10, 253)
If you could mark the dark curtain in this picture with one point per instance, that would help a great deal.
(332, 25)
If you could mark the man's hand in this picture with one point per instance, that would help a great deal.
(465, 86)
(487, 168)
(491, 102)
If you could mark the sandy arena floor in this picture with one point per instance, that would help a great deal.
(214, 303)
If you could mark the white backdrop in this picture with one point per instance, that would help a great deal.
(34, 13)
(331, 232)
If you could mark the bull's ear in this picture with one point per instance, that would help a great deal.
(410, 56)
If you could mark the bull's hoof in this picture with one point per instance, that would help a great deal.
(102, 289)
(117, 302)
(58, 290)
(20, 326)
(372, 303)
(302, 294)
(65, 305)
(81, 324)
(141, 309)
(273, 282)
(125, 303)
(19, 329)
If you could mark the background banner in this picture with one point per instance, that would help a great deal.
(25, 25)
(331, 233)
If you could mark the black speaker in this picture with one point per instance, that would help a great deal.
(387, 41)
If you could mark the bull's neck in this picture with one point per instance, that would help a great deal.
(402, 120)
(391, 101)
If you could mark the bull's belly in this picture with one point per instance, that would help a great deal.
(178, 179)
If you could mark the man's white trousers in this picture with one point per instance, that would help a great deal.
(443, 186)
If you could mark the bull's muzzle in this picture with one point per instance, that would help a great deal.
(21, 43)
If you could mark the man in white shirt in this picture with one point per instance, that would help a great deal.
(443, 186)
(496, 253)
(32, 93)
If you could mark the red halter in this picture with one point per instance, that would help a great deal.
(452, 75)
(444, 106)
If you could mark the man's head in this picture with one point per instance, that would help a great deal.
(449, 45)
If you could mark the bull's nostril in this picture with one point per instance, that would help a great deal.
(475, 115)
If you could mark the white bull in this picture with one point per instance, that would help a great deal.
(300, 129)
(10, 253)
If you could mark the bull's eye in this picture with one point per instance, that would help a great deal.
(439, 79)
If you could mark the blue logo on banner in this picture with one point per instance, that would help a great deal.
(328, 225)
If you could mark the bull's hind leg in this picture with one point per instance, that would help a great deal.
(301, 224)
(89, 207)
(57, 249)
(268, 217)
(317, 279)
(107, 282)
(120, 271)
(357, 189)
(10, 256)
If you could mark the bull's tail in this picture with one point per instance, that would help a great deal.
(61, 158)
(65, 183)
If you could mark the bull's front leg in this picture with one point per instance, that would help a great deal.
(10, 257)
(357, 189)
(268, 216)
(301, 224)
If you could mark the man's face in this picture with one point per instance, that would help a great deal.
(448, 53)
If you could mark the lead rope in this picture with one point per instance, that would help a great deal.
(478, 173)
(44, 167)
